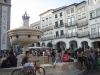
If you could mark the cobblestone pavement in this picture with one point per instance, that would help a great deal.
(92, 73)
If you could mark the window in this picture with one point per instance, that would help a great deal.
(69, 31)
(72, 10)
(56, 24)
(89, 1)
(60, 14)
(61, 22)
(73, 30)
(92, 15)
(4, 0)
(93, 31)
(99, 30)
(46, 18)
(62, 33)
(73, 20)
(42, 20)
(68, 21)
(79, 10)
(83, 9)
(50, 16)
(56, 16)
(57, 34)
(98, 12)
(68, 12)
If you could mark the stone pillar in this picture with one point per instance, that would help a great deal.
(67, 45)
(79, 44)
(90, 44)
(25, 22)
(25, 47)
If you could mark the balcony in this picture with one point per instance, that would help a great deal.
(58, 26)
(50, 38)
(69, 24)
(70, 35)
(59, 36)
(50, 28)
(46, 38)
(83, 23)
(47, 28)
(95, 35)
(83, 34)
(43, 39)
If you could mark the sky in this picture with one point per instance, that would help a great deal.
(34, 8)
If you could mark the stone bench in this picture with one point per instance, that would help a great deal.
(67, 68)
(8, 71)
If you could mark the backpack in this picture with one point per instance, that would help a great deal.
(65, 57)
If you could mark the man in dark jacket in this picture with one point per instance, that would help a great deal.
(10, 61)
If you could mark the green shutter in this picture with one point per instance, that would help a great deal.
(62, 32)
(60, 14)
(56, 24)
(61, 22)
(56, 16)
(57, 33)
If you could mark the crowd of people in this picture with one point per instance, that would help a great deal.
(89, 58)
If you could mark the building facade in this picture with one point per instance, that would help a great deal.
(35, 25)
(5, 9)
(73, 26)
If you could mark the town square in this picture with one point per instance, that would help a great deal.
(49, 37)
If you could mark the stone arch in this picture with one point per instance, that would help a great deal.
(38, 44)
(84, 44)
(73, 44)
(43, 44)
(49, 44)
(96, 44)
(61, 44)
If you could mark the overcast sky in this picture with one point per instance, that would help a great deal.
(34, 8)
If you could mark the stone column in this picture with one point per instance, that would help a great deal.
(79, 44)
(90, 44)
(25, 47)
(67, 45)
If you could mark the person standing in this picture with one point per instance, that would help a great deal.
(53, 55)
(80, 58)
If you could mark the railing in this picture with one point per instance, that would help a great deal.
(95, 35)
(59, 26)
(47, 29)
(83, 34)
(72, 23)
(83, 23)
(59, 36)
(69, 35)
(50, 38)
(46, 38)
(43, 39)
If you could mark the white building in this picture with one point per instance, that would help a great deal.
(94, 22)
(5, 9)
(73, 26)
(36, 25)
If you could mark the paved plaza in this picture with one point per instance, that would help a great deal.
(92, 73)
